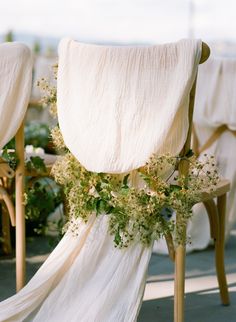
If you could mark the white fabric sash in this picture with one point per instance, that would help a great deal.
(215, 105)
(215, 94)
(15, 87)
(117, 105)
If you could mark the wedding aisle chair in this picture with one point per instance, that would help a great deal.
(15, 88)
(91, 111)
(215, 130)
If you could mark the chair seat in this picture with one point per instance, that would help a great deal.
(220, 189)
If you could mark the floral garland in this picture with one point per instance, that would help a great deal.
(140, 204)
(142, 213)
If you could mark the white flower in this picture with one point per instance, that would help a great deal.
(29, 149)
(114, 194)
(39, 151)
(93, 192)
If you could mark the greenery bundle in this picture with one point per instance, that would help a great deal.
(140, 204)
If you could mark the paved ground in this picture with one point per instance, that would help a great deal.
(202, 298)
(202, 302)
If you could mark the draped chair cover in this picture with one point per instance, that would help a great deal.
(215, 108)
(121, 104)
(15, 87)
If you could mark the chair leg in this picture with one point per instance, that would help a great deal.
(6, 244)
(179, 283)
(20, 211)
(219, 251)
(170, 246)
(213, 217)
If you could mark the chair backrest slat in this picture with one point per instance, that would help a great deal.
(184, 165)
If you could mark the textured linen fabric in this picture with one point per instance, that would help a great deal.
(216, 106)
(84, 279)
(110, 94)
(15, 87)
(121, 104)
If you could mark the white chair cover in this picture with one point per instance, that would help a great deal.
(15, 87)
(113, 102)
(216, 106)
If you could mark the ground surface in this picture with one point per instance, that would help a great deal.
(202, 298)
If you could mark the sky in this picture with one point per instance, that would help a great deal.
(121, 20)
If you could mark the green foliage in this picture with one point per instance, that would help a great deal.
(41, 198)
(42, 195)
(36, 47)
(9, 36)
(139, 204)
(37, 134)
(35, 163)
(10, 157)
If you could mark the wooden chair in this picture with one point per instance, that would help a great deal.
(15, 78)
(17, 212)
(216, 212)
(18, 59)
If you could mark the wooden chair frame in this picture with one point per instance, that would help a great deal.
(17, 212)
(216, 213)
(20, 209)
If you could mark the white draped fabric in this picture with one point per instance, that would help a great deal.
(85, 279)
(215, 105)
(109, 99)
(15, 88)
(122, 104)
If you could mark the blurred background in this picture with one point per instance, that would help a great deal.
(41, 23)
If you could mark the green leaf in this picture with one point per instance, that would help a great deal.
(36, 163)
(117, 238)
(174, 187)
(101, 206)
(109, 209)
(10, 157)
(145, 178)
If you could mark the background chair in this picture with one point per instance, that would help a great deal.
(15, 88)
(217, 223)
(215, 131)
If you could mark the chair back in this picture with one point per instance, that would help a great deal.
(15, 87)
(122, 104)
(215, 102)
